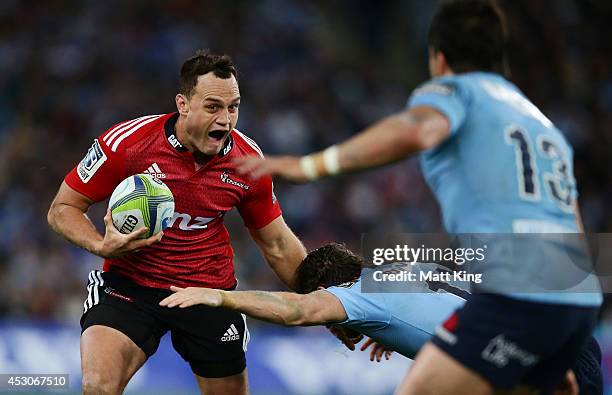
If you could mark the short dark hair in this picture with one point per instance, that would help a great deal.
(471, 34)
(203, 62)
(332, 264)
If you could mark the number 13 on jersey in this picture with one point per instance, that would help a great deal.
(558, 183)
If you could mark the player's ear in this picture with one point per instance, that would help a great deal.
(182, 104)
(438, 65)
(320, 288)
(444, 67)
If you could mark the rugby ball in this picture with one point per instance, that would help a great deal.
(141, 201)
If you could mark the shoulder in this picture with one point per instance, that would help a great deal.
(127, 133)
(246, 143)
(450, 93)
(444, 86)
(346, 290)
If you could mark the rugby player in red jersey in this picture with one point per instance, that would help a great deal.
(193, 152)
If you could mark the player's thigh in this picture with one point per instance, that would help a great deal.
(118, 332)
(434, 372)
(237, 384)
(109, 359)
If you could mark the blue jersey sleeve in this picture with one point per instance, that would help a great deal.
(445, 96)
(361, 309)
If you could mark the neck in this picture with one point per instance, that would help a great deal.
(180, 130)
(444, 71)
(201, 158)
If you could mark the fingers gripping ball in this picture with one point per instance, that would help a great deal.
(141, 201)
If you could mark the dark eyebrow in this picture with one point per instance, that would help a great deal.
(211, 99)
(215, 100)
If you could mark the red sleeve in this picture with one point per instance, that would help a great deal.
(100, 171)
(260, 206)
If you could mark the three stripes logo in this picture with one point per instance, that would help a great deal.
(230, 334)
(94, 282)
(155, 172)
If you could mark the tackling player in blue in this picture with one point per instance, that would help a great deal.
(330, 284)
(497, 165)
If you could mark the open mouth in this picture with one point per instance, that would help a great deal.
(217, 134)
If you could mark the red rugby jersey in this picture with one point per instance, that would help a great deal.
(195, 249)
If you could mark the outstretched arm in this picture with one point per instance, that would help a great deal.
(285, 308)
(389, 140)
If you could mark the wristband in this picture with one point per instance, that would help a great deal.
(307, 165)
(331, 160)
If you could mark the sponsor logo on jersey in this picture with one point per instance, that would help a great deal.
(174, 141)
(228, 146)
(186, 222)
(231, 334)
(155, 172)
(92, 161)
(226, 179)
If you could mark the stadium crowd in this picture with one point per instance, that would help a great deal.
(310, 74)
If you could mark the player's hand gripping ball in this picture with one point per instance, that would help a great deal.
(141, 201)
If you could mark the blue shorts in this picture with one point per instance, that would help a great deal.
(512, 342)
(588, 369)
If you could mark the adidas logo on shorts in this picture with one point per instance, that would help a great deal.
(230, 334)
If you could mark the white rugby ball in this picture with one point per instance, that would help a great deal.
(141, 201)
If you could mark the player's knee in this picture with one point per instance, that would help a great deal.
(95, 383)
(235, 385)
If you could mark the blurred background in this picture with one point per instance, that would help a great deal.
(311, 74)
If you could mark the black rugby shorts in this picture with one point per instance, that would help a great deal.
(212, 340)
